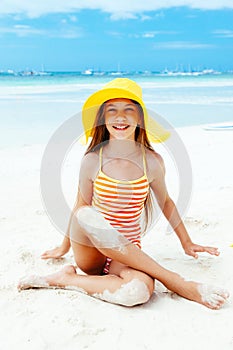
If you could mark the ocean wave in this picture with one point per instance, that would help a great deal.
(33, 89)
(190, 91)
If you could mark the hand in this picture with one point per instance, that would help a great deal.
(55, 253)
(192, 250)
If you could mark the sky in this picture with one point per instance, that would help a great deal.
(127, 35)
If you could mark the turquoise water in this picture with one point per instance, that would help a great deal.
(74, 77)
(32, 107)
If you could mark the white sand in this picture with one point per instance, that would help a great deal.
(62, 319)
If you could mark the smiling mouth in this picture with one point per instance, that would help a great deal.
(120, 127)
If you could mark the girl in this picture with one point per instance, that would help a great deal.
(119, 173)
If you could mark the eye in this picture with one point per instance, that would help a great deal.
(111, 109)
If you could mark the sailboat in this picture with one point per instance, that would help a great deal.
(88, 72)
(118, 72)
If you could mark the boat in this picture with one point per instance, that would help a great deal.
(88, 72)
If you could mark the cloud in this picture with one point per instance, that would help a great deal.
(159, 15)
(122, 15)
(120, 9)
(67, 34)
(116, 34)
(68, 19)
(145, 35)
(145, 18)
(72, 18)
(149, 35)
(22, 30)
(223, 33)
(181, 45)
(21, 26)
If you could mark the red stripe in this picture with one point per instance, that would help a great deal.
(118, 182)
(121, 185)
(111, 197)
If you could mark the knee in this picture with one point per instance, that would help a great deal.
(136, 292)
(77, 233)
(129, 274)
(84, 216)
(132, 293)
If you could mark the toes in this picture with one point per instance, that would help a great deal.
(220, 300)
(213, 297)
(33, 281)
(23, 283)
(20, 287)
(216, 303)
(225, 293)
(210, 306)
(216, 300)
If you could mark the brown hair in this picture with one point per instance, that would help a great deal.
(100, 135)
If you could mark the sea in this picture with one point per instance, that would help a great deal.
(33, 106)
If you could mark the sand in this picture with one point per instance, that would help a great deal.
(65, 319)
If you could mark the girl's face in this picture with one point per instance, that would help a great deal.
(121, 118)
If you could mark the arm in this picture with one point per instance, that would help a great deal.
(84, 197)
(170, 211)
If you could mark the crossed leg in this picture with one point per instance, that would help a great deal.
(123, 285)
(132, 271)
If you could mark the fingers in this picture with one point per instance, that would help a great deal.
(212, 250)
(45, 255)
(49, 254)
(192, 251)
(202, 249)
(55, 253)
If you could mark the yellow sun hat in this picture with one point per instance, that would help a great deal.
(120, 88)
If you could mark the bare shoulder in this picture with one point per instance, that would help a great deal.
(90, 158)
(153, 158)
(90, 165)
(155, 164)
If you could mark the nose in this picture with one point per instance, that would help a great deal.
(120, 118)
(120, 115)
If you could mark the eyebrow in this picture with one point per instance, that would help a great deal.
(114, 105)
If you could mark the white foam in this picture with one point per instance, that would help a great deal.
(129, 294)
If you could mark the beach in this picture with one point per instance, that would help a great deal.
(67, 319)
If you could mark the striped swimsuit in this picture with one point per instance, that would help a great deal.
(121, 202)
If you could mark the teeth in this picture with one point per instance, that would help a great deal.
(121, 127)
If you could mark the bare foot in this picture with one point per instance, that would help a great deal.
(211, 296)
(60, 279)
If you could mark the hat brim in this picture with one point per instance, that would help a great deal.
(155, 132)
